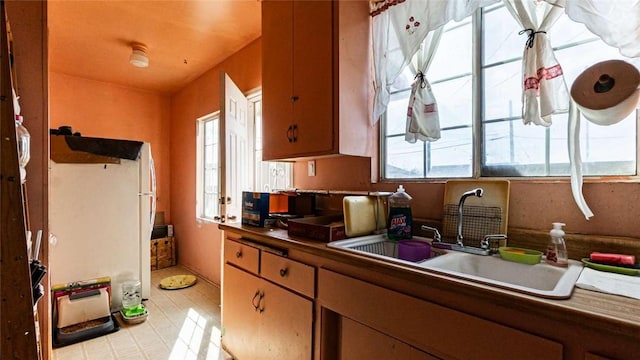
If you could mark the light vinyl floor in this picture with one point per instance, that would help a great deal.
(182, 324)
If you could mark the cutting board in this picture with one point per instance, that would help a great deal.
(363, 215)
(495, 195)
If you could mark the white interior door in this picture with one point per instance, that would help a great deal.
(236, 149)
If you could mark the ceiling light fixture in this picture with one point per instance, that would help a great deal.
(138, 56)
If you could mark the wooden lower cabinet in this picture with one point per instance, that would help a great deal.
(309, 306)
(240, 318)
(359, 342)
(262, 320)
(430, 328)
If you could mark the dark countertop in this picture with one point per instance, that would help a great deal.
(611, 313)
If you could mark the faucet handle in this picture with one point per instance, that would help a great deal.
(436, 233)
(493, 242)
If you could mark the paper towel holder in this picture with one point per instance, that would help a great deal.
(607, 92)
(604, 83)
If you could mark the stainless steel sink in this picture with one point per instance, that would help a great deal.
(377, 246)
(541, 279)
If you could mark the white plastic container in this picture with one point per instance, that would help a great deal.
(556, 249)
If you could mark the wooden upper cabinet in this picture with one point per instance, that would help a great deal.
(316, 82)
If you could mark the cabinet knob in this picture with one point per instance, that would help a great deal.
(294, 98)
(239, 254)
(294, 138)
(283, 272)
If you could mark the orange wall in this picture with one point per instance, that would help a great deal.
(106, 110)
(199, 244)
(533, 204)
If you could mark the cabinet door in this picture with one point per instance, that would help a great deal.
(285, 326)
(313, 76)
(361, 342)
(240, 318)
(297, 78)
(277, 82)
(261, 320)
(422, 323)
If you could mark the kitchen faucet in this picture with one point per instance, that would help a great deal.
(475, 192)
(488, 245)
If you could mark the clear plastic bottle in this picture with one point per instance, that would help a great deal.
(131, 294)
(400, 219)
(23, 139)
(557, 250)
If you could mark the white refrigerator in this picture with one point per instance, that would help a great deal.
(101, 217)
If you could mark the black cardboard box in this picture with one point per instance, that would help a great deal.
(324, 228)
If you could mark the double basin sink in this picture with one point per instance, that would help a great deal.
(542, 280)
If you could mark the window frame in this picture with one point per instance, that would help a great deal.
(479, 170)
(200, 167)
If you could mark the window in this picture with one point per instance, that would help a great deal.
(269, 175)
(476, 79)
(208, 164)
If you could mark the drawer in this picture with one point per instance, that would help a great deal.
(242, 255)
(289, 273)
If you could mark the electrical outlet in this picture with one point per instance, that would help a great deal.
(311, 168)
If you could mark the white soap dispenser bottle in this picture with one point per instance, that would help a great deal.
(557, 250)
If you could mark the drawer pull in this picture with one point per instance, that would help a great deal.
(239, 254)
(284, 272)
(260, 304)
(253, 301)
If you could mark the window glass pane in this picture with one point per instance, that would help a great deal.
(451, 156)
(397, 113)
(503, 91)
(511, 143)
(453, 56)
(209, 132)
(454, 102)
(211, 164)
(566, 31)
(257, 106)
(501, 39)
(404, 160)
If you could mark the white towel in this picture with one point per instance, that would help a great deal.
(609, 283)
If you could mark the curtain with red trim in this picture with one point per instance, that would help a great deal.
(544, 91)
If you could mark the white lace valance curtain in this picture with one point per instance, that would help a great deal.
(544, 91)
(399, 26)
(616, 22)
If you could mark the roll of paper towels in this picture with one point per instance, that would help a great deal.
(607, 92)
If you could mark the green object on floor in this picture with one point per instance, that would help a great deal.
(133, 311)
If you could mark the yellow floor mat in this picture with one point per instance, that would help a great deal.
(177, 282)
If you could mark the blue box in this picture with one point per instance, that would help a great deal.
(255, 208)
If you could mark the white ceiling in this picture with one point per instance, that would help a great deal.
(91, 39)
